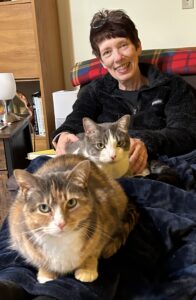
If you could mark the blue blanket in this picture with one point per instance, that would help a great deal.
(158, 261)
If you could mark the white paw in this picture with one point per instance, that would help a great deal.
(43, 279)
(86, 275)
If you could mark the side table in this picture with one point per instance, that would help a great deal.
(15, 143)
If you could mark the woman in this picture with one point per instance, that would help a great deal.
(163, 106)
(164, 122)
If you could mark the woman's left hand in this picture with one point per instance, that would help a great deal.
(138, 156)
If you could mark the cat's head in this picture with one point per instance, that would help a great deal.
(57, 202)
(107, 142)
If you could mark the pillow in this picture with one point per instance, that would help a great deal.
(181, 61)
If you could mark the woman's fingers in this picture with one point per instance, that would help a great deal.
(138, 156)
(64, 139)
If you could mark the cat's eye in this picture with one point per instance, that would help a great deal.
(71, 203)
(119, 144)
(100, 145)
(44, 208)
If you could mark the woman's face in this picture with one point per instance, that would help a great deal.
(120, 57)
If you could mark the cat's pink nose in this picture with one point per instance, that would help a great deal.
(61, 225)
(113, 157)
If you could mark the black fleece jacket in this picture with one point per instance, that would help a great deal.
(163, 114)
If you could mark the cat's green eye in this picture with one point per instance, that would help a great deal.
(44, 208)
(71, 203)
(100, 145)
(119, 144)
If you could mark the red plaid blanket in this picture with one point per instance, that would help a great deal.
(180, 61)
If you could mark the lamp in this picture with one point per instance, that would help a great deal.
(7, 92)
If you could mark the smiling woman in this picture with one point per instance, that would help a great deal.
(120, 57)
(118, 47)
(159, 252)
(132, 87)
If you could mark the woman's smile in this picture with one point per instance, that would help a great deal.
(123, 67)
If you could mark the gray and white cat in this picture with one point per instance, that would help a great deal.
(67, 215)
(107, 144)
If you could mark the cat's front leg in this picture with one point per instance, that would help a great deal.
(88, 270)
(44, 276)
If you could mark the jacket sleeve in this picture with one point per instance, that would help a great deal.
(86, 105)
(179, 135)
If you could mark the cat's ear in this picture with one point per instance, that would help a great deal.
(80, 173)
(89, 125)
(123, 123)
(25, 179)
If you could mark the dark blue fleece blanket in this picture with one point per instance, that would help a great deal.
(158, 261)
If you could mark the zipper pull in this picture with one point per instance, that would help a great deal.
(134, 111)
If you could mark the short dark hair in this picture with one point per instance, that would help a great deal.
(107, 24)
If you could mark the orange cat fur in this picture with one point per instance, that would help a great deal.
(67, 215)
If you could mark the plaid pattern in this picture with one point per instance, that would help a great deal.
(180, 61)
(86, 71)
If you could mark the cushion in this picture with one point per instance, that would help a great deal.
(180, 61)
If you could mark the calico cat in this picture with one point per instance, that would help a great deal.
(107, 144)
(68, 214)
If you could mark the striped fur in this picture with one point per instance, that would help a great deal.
(67, 215)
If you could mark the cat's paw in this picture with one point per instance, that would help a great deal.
(44, 276)
(43, 279)
(86, 275)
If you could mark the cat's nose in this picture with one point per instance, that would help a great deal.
(113, 157)
(61, 225)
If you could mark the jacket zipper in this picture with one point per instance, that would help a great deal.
(134, 111)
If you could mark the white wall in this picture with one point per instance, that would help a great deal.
(160, 23)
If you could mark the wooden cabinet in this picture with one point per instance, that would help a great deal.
(31, 49)
(15, 144)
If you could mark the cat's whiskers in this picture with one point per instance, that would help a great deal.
(35, 235)
(93, 158)
(38, 239)
(106, 144)
(91, 229)
(71, 227)
(33, 230)
(103, 233)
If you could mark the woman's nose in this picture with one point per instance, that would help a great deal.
(117, 55)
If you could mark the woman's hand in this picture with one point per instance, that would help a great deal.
(138, 156)
(64, 139)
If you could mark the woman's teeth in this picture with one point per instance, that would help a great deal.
(123, 66)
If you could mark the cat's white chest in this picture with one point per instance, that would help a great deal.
(116, 169)
(63, 251)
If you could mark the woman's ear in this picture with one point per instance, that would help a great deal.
(139, 48)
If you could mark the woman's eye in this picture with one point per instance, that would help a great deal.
(71, 203)
(44, 208)
(106, 53)
(123, 46)
(100, 146)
